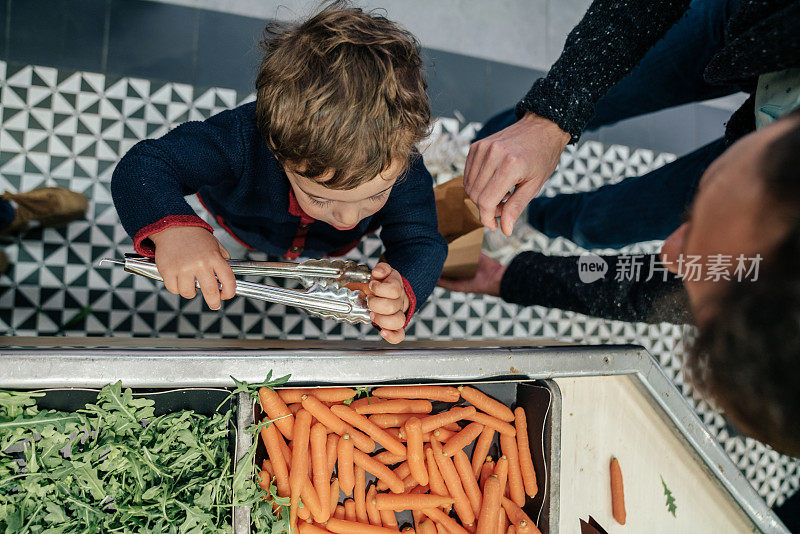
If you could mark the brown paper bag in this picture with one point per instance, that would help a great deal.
(459, 223)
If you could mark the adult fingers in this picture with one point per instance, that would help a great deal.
(186, 285)
(459, 286)
(513, 207)
(226, 279)
(224, 251)
(472, 165)
(209, 286)
(384, 306)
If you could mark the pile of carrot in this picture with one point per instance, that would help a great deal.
(323, 444)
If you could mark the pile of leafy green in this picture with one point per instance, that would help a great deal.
(114, 466)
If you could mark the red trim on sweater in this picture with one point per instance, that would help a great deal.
(221, 222)
(299, 241)
(171, 220)
(412, 300)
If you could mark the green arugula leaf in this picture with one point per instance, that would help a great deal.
(671, 506)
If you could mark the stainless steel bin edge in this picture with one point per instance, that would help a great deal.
(24, 368)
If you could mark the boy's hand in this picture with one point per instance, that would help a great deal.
(188, 253)
(388, 303)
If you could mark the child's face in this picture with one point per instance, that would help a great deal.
(344, 209)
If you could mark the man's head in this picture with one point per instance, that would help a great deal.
(341, 102)
(747, 356)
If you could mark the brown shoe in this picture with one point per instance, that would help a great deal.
(50, 206)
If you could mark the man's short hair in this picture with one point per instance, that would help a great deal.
(747, 357)
(342, 91)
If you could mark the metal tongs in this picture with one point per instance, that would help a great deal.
(325, 295)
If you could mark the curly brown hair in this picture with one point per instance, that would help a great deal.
(342, 91)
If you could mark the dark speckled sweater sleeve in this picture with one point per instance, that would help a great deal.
(610, 40)
(534, 279)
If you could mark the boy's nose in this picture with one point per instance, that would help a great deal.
(348, 216)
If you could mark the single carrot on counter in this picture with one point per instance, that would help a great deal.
(290, 395)
(468, 482)
(395, 406)
(410, 501)
(363, 287)
(486, 404)
(481, 449)
(525, 457)
(453, 482)
(434, 393)
(321, 478)
(415, 453)
(463, 438)
(345, 471)
(432, 422)
(617, 492)
(490, 508)
(276, 409)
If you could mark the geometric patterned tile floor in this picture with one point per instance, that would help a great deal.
(67, 128)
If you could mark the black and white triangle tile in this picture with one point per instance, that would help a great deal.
(67, 128)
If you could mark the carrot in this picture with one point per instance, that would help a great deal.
(389, 458)
(486, 470)
(445, 520)
(350, 510)
(295, 407)
(264, 479)
(308, 528)
(426, 526)
(376, 468)
(501, 426)
(335, 424)
(468, 482)
(373, 514)
(527, 527)
(408, 530)
(272, 439)
(339, 512)
(299, 470)
(341, 526)
(360, 495)
(441, 434)
(525, 457)
(287, 453)
(481, 449)
(402, 471)
(409, 483)
(516, 489)
(321, 478)
(435, 479)
(486, 404)
(311, 501)
(617, 492)
(276, 409)
(462, 439)
(388, 420)
(360, 286)
(432, 422)
(434, 393)
(371, 429)
(334, 495)
(345, 469)
(290, 395)
(501, 470)
(388, 518)
(514, 512)
(453, 483)
(415, 453)
(331, 452)
(511, 529)
(395, 406)
(502, 520)
(487, 520)
(419, 490)
(410, 501)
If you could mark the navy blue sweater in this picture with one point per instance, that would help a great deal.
(225, 161)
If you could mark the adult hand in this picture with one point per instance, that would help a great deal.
(521, 157)
(486, 280)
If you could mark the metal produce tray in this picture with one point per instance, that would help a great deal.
(541, 401)
(35, 363)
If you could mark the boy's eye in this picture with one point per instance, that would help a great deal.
(319, 202)
(379, 196)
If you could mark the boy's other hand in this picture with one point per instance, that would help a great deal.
(388, 303)
(485, 282)
(185, 254)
